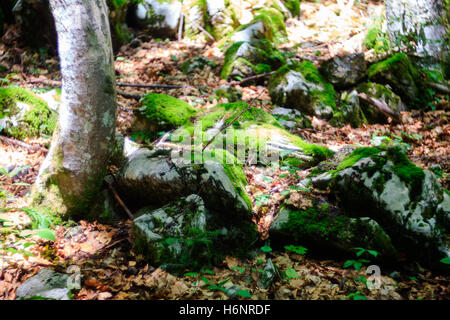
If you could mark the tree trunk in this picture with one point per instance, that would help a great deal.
(74, 168)
(420, 21)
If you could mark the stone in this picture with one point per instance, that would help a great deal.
(291, 118)
(248, 57)
(381, 183)
(328, 228)
(147, 178)
(300, 86)
(45, 284)
(352, 113)
(185, 233)
(380, 92)
(346, 71)
(399, 73)
(161, 112)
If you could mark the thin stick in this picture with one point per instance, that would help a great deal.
(205, 32)
(116, 195)
(21, 144)
(141, 85)
(180, 27)
(231, 122)
(55, 83)
(251, 78)
(381, 106)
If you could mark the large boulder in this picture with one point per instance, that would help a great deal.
(47, 284)
(424, 22)
(402, 76)
(300, 86)
(346, 71)
(184, 233)
(254, 136)
(321, 226)
(406, 201)
(157, 177)
(382, 93)
(160, 17)
(24, 114)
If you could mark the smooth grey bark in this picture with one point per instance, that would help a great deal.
(422, 21)
(74, 168)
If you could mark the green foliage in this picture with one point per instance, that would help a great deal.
(445, 260)
(377, 40)
(356, 296)
(297, 249)
(38, 120)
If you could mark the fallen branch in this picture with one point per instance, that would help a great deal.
(382, 106)
(441, 87)
(56, 83)
(205, 32)
(258, 76)
(119, 200)
(21, 144)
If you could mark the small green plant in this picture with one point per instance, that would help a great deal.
(356, 296)
(445, 260)
(297, 249)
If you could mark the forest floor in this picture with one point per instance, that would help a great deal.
(110, 268)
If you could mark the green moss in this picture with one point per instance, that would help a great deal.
(357, 155)
(314, 223)
(403, 77)
(262, 57)
(230, 56)
(40, 119)
(407, 171)
(165, 112)
(325, 96)
(293, 6)
(377, 40)
(275, 29)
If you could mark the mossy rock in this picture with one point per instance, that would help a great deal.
(407, 201)
(161, 112)
(245, 59)
(147, 173)
(185, 234)
(23, 114)
(254, 132)
(382, 93)
(350, 111)
(403, 77)
(300, 86)
(320, 226)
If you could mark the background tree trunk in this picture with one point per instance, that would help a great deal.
(73, 171)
